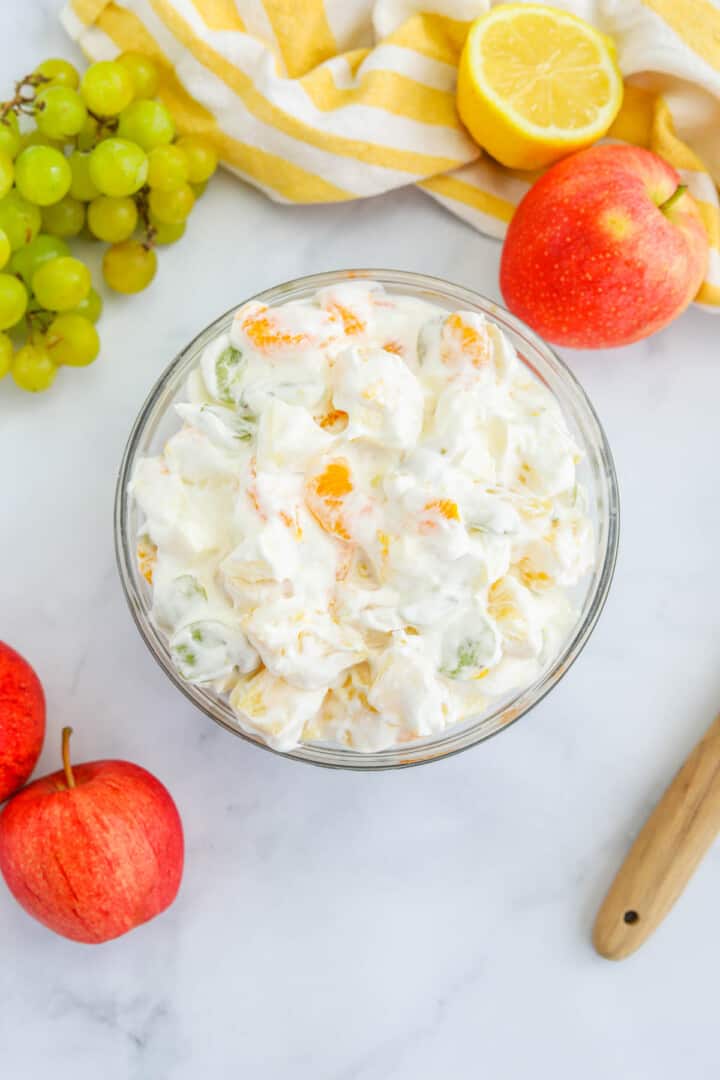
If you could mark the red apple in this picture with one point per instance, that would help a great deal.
(606, 248)
(92, 851)
(22, 720)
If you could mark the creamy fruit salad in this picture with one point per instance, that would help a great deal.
(368, 526)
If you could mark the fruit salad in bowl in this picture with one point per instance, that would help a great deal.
(366, 519)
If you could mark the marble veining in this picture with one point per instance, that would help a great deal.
(399, 926)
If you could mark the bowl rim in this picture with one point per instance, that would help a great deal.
(469, 733)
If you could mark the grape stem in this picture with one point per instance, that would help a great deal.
(107, 124)
(23, 102)
(38, 321)
(142, 202)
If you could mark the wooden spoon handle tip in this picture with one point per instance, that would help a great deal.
(665, 854)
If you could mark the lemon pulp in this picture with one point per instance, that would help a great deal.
(536, 83)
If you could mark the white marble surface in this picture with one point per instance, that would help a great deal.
(400, 926)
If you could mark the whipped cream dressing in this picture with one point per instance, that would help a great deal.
(368, 525)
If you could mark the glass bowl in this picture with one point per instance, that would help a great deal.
(156, 422)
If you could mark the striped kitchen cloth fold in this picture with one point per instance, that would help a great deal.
(328, 100)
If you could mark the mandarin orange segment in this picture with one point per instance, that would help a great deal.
(474, 343)
(146, 558)
(525, 473)
(531, 577)
(263, 332)
(325, 494)
(335, 421)
(445, 507)
(438, 508)
(352, 323)
(383, 539)
(501, 602)
(395, 347)
(334, 482)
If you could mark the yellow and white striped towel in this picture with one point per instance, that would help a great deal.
(326, 100)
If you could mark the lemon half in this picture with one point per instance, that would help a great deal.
(536, 83)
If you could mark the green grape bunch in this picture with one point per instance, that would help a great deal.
(95, 156)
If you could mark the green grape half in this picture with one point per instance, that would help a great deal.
(60, 112)
(112, 220)
(7, 173)
(72, 339)
(147, 123)
(60, 72)
(61, 284)
(144, 74)
(5, 249)
(19, 219)
(81, 185)
(107, 88)
(91, 307)
(168, 168)
(172, 207)
(64, 218)
(13, 300)
(6, 355)
(166, 234)
(118, 167)
(30, 257)
(33, 369)
(202, 157)
(42, 175)
(10, 135)
(129, 267)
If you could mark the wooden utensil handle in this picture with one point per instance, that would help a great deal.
(665, 854)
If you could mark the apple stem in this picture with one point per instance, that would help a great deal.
(676, 195)
(69, 778)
